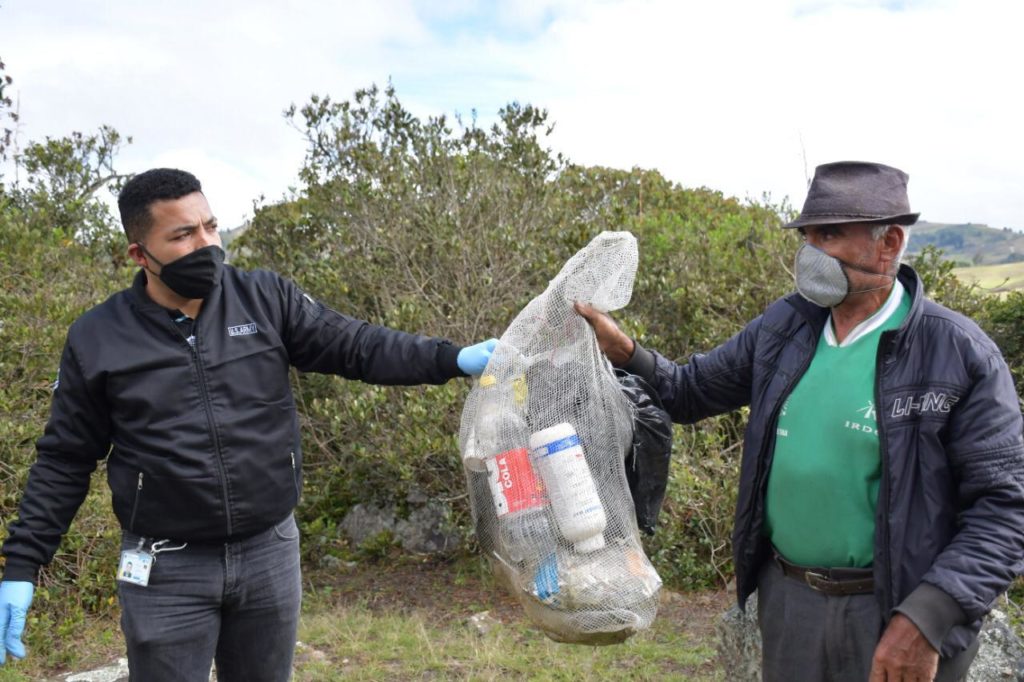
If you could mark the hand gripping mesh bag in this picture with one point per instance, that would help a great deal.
(543, 437)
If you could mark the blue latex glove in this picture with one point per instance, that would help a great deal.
(473, 359)
(15, 598)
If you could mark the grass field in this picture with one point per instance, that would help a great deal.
(407, 619)
(994, 278)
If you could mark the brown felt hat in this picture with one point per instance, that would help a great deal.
(856, 192)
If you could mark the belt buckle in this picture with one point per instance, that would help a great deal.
(816, 581)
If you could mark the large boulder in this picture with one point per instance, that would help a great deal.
(1001, 654)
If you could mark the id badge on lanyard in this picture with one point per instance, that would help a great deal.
(136, 564)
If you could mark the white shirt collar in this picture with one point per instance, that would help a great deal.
(869, 325)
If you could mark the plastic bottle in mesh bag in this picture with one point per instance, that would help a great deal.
(526, 541)
(558, 455)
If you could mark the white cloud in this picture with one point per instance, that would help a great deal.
(736, 96)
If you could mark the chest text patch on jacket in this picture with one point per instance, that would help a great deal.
(929, 402)
(242, 329)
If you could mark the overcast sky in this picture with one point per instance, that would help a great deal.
(744, 97)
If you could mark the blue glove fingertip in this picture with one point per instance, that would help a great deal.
(473, 359)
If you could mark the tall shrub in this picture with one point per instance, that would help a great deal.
(53, 270)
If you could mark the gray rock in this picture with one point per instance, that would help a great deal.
(116, 672)
(366, 521)
(335, 564)
(428, 530)
(1000, 656)
(417, 497)
(739, 643)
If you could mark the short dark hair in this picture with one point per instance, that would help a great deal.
(141, 191)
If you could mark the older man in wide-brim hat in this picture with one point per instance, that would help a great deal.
(880, 510)
(855, 223)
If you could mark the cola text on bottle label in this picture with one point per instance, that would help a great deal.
(514, 485)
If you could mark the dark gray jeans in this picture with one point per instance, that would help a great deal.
(808, 636)
(236, 602)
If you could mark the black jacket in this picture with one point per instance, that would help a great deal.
(949, 531)
(202, 438)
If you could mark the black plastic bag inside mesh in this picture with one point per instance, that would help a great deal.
(647, 462)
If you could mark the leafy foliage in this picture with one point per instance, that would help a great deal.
(6, 112)
(63, 177)
(1003, 320)
(51, 272)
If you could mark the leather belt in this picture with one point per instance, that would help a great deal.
(838, 582)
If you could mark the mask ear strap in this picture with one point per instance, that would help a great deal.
(864, 291)
(866, 271)
(150, 257)
(849, 289)
(847, 264)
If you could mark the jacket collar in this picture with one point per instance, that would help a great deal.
(139, 296)
(915, 289)
(143, 302)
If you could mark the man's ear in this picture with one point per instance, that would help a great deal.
(136, 254)
(891, 245)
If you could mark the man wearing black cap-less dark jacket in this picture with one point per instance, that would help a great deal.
(182, 383)
(881, 498)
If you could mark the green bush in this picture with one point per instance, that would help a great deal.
(46, 280)
(1003, 319)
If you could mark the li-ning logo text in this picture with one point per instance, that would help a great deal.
(242, 329)
(929, 402)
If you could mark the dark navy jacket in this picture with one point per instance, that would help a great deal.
(949, 532)
(203, 438)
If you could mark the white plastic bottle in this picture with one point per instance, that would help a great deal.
(558, 457)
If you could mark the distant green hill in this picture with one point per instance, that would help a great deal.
(994, 279)
(970, 244)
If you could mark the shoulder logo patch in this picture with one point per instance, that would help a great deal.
(242, 329)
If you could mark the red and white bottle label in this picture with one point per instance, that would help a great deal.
(514, 484)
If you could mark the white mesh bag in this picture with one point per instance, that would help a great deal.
(543, 437)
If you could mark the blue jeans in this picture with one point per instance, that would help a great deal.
(236, 602)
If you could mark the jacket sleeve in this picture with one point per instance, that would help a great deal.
(319, 339)
(986, 450)
(76, 436)
(709, 384)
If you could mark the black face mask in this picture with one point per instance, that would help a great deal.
(194, 275)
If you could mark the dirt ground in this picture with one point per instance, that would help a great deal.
(451, 594)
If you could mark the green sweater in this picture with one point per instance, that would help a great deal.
(823, 483)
